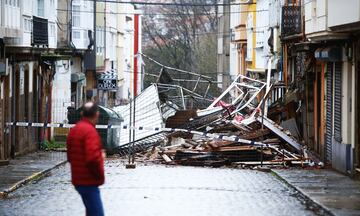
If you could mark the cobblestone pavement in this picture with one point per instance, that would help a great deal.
(151, 190)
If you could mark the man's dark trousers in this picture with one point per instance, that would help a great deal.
(91, 199)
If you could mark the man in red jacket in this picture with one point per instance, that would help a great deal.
(84, 152)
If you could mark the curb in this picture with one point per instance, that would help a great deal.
(36, 176)
(304, 195)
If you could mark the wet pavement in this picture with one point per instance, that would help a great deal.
(22, 167)
(334, 191)
(151, 190)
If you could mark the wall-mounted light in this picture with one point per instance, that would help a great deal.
(65, 63)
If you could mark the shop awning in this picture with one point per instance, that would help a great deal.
(108, 75)
(330, 54)
(77, 77)
(256, 70)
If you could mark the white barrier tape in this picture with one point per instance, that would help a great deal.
(126, 127)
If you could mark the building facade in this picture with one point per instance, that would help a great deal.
(52, 60)
(311, 48)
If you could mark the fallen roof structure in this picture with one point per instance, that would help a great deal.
(229, 128)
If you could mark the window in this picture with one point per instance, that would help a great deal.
(52, 30)
(76, 16)
(27, 25)
(99, 40)
(76, 35)
(40, 4)
(85, 34)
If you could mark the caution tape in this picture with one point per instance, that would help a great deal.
(141, 128)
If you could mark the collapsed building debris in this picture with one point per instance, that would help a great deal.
(230, 129)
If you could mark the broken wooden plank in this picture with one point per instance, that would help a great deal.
(166, 158)
(275, 128)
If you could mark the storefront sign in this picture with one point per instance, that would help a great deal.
(107, 84)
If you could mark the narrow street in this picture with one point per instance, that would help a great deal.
(162, 190)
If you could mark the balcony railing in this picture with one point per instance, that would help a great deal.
(40, 32)
(291, 23)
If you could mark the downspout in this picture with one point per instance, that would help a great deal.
(70, 23)
(104, 91)
(136, 50)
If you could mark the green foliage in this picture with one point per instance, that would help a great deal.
(52, 144)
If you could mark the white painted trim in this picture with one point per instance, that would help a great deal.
(2, 90)
(31, 72)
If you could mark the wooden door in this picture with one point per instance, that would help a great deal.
(319, 109)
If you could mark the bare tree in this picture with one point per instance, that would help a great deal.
(177, 35)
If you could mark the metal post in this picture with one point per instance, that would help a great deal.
(46, 121)
(261, 156)
(262, 114)
(133, 132)
(267, 85)
(13, 116)
(182, 98)
(130, 130)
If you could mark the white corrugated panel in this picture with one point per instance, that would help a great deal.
(147, 114)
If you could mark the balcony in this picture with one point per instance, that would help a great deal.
(238, 34)
(291, 24)
(40, 35)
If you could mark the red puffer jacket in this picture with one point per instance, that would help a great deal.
(84, 152)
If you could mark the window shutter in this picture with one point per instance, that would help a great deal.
(329, 113)
(337, 102)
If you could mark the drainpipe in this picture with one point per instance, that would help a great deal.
(105, 102)
(136, 50)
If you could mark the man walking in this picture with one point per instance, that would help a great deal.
(84, 152)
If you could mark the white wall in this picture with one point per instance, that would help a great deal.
(262, 34)
(120, 49)
(12, 15)
(315, 16)
(140, 61)
(111, 31)
(61, 91)
(346, 103)
(128, 60)
(249, 36)
(21, 17)
(1, 16)
(234, 55)
(343, 12)
(86, 22)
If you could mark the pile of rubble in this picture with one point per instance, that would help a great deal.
(265, 148)
(234, 128)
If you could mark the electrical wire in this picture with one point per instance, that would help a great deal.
(227, 33)
(205, 74)
(164, 14)
(170, 4)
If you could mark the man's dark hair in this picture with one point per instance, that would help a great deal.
(89, 109)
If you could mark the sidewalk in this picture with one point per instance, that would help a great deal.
(337, 193)
(24, 169)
